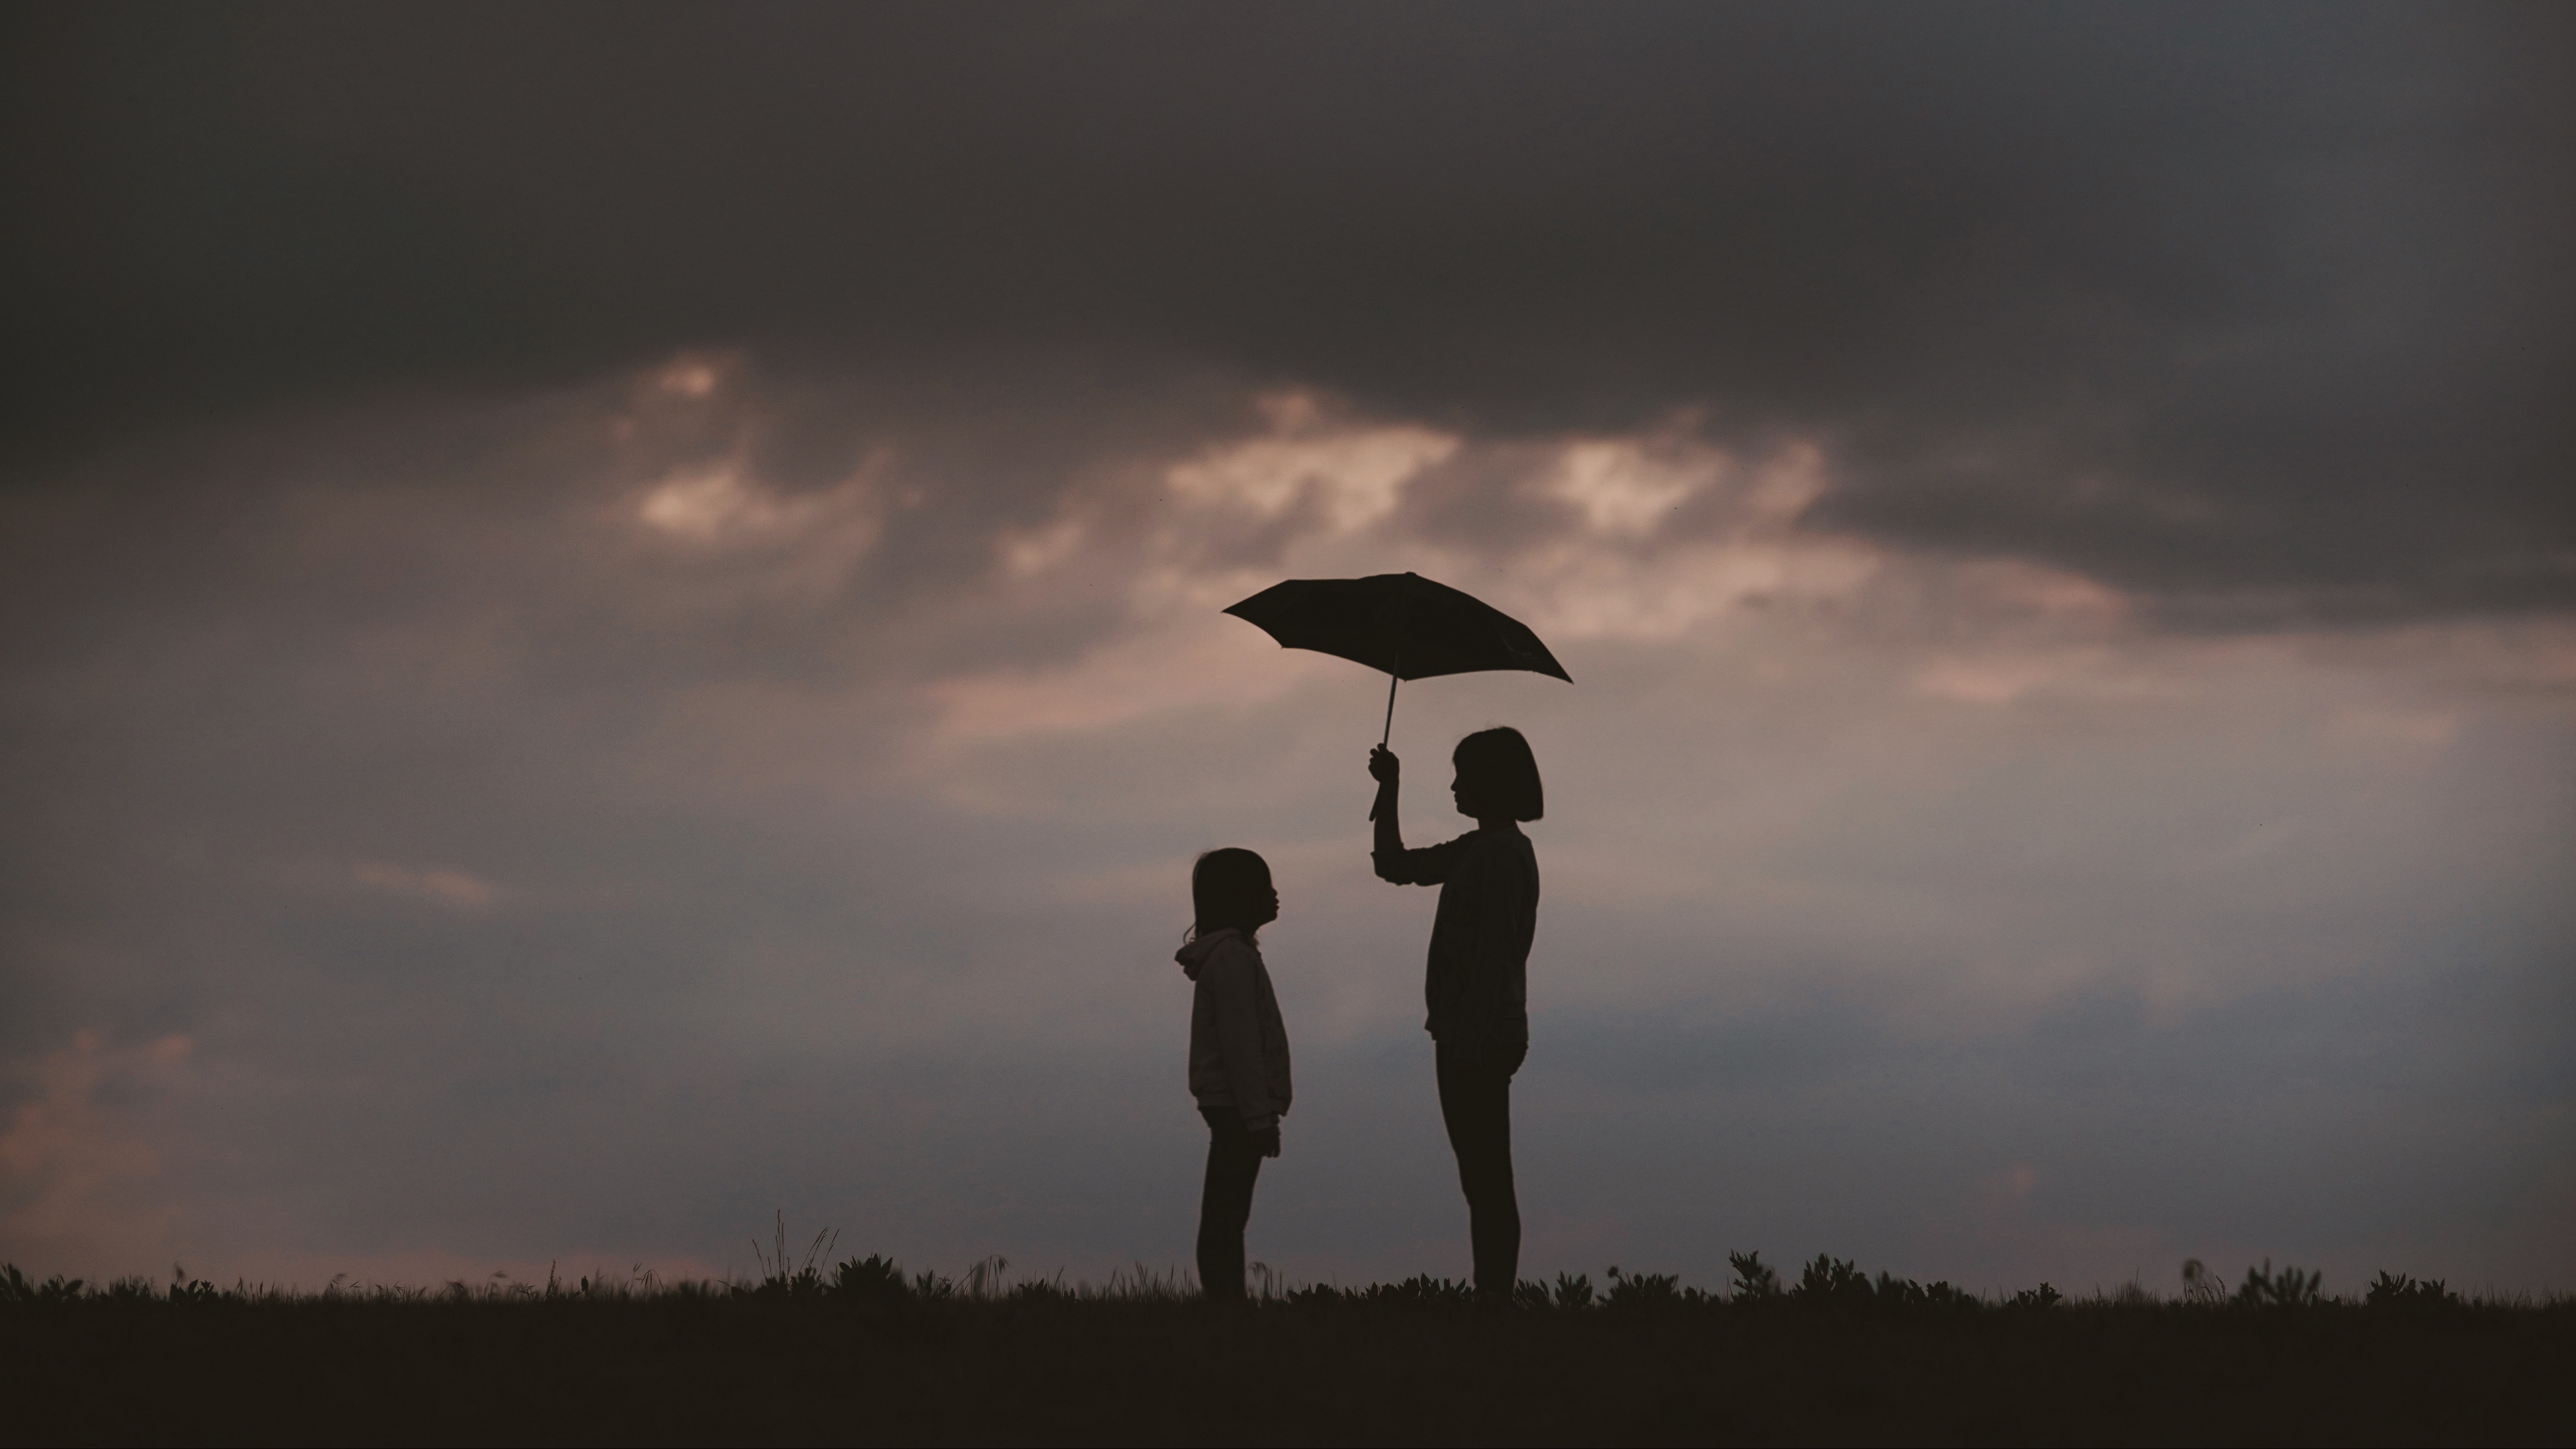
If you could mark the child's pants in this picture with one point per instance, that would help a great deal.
(1225, 1202)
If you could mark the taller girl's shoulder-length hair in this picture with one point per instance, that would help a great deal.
(1505, 773)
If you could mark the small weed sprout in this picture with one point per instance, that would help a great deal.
(1141, 1283)
(1894, 1292)
(1832, 1280)
(1647, 1290)
(2396, 1290)
(1037, 1290)
(1573, 1290)
(2289, 1288)
(804, 1281)
(2200, 1287)
(1754, 1279)
(874, 1279)
(984, 1280)
(18, 1291)
(184, 1289)
(1419, 1291)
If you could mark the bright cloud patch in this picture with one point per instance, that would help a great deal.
(1624, 492)
(721, 503)
(1351, 478)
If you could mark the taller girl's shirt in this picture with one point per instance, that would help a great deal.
(1476, 983)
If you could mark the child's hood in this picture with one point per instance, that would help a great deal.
(1199, 952)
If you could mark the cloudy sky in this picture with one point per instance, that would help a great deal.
(609, 626)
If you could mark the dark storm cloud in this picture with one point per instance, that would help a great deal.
(2258, 311)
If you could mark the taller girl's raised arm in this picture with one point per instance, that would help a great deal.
(1388, 771)
(1394, 863)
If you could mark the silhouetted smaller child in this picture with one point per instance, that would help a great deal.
(1238, 1052)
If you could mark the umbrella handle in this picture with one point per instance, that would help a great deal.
(1389, 733)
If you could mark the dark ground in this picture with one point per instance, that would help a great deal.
(709, 1368)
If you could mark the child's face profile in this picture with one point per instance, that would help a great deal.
(1269, 909)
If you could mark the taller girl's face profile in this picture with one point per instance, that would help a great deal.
(1461, 796)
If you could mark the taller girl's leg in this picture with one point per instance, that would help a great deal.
(1476, 1106)
(1225, 1203)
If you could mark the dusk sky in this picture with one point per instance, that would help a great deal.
(610, 625)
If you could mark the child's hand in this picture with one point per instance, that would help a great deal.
(1384, 767)
(1267, 1142)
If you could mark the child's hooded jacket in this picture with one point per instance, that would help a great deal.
(1238, 1043)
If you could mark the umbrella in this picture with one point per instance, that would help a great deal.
(1405, 624)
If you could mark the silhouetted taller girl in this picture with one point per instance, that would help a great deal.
(1238, 1052)
(1477, 985)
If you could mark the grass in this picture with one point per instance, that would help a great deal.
(863, 1351)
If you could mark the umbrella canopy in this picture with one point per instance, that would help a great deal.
(1404, 624)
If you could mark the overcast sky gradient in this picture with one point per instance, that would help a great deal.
(609, 624)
